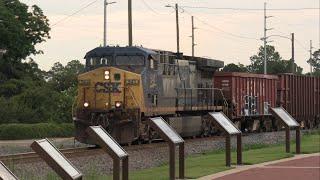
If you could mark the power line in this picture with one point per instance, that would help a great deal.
(295, 39)
(239, 43)
(249, 9)
(74, 13)
(221, 30)
(152, 9)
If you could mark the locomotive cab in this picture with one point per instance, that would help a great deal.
(110, 91)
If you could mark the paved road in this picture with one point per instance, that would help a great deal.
(302, 167)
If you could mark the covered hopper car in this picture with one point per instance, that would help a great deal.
(249, 97)
(300, 96)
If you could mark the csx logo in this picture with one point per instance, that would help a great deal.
(108, 87)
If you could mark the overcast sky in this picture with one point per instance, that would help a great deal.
(228, 35)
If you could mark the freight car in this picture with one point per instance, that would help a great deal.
(300, 96)
(124, 86)
(249, 97)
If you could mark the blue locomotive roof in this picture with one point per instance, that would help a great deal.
(103, 51)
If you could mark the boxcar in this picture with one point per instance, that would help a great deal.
(300, 96)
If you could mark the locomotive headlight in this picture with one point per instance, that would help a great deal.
(107, 75)
(86, 104)
(118, 104)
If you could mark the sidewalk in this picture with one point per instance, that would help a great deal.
(305, 166)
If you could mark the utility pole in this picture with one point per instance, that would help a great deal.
(130, 21)
(105, 4)
(265, 38)
(311, 70)
(293, 67)
(178, 33)
(192, 36)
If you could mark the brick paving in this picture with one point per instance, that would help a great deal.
(302, 167)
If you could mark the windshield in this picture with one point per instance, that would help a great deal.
(130, 60)
(99, 61)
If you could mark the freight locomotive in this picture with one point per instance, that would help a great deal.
(124, 86)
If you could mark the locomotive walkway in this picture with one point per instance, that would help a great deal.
(300, 167)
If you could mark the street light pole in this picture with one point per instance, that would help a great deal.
(177, 26)
(105, 4)
(130, 21)
(178, 32)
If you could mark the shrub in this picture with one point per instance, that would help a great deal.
(39, 130)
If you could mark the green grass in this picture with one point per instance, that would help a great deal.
(213, 162)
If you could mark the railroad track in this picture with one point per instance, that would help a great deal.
(89, 151)
(32, 156)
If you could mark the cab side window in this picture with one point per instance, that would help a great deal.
(154, 99)
(152, 62)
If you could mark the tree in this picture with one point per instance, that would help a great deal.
(315, 62)
(235, 68)
(275, 63)
(32, 99)
(21, 29)
(64, 77)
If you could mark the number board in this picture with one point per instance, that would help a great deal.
(5, 173)
(44, 146)
(285, 116)
(225, 122)
(109, 141)
(167, 130)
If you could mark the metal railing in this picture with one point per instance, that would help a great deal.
(200, 97)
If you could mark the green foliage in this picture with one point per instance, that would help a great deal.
(21, 28)
(31, 131)
(36, 104)
(63, 78)
(315, 62)
(275, 63)
(235, 68)
(27, 94)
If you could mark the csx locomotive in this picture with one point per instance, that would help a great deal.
(124, 86)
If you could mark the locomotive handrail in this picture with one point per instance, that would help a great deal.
(200, 88)
(131, 93)
(225, 103)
